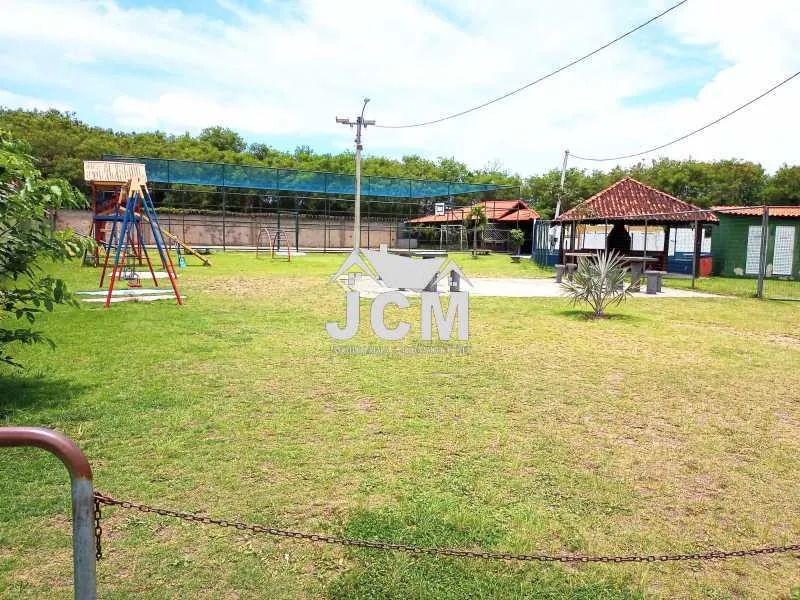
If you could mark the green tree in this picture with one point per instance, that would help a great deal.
(61, 142)
(27, 238)
(260, 151)
(578, 185)
(223, 139)
(476, 218)
(783, 187)
(705, 184)
(516, 238)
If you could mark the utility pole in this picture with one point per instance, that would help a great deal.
(560, 230)
(563, 175)
(358, 123)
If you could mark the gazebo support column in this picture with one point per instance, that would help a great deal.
(573, 236)
(665, 259)
(698, 237)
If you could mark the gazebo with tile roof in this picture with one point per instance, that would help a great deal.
(630, 203)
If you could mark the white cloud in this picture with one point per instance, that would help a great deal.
(289, 73)
(11, 100)
(182, 111)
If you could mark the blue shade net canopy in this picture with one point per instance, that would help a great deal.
(190, 172)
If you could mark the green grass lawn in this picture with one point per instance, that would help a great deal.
(744, 287)
(670, 427)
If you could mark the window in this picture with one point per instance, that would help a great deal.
(783, 255)
(682, 240)
(753, 250)
(655, 238)
(705, 245)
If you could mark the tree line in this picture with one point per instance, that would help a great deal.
(61, 142)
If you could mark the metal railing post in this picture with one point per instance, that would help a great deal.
(80, 474)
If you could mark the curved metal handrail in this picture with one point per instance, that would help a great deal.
(80, 473)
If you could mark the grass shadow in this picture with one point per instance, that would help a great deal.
(585, 315)
(23, 394)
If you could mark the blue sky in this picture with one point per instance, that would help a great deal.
(279, 72)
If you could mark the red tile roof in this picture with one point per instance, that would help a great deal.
(631, 200)
(757, 211)
(448, 217)
(496, 210)
(523, 214)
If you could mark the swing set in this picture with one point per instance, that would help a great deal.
(128, 210)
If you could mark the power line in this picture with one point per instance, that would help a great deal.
(540, 79)
(691, 133)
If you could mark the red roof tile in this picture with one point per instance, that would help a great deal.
(523, 214)
(631, 200)
(757, 211)
(450, 216)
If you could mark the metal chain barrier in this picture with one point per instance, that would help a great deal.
(98, 529)
(101, 499)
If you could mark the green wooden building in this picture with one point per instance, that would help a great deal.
(736, 242)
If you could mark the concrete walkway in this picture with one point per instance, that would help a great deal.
(548, 288)
(499, 287)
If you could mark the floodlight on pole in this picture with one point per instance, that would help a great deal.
(358, 123)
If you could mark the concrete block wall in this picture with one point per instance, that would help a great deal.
(242, 230)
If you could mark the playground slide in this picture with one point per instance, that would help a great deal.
(185, 246)
(180, 242)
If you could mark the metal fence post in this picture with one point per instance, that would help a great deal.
(224, 198)
(762, 258)
(80, 474)
(296, 226)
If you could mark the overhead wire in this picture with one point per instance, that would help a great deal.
(691, 133)
(540, 79)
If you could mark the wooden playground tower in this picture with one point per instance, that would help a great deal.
(121, 210)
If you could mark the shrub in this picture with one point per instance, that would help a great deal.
(516, 238)
(599, 281)
(27, 239)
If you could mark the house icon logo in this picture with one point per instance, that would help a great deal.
(390, 279)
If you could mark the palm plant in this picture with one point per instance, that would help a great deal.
(599, 281)
(476, 218)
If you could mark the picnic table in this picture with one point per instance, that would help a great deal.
(579, 253)
(637, 264)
